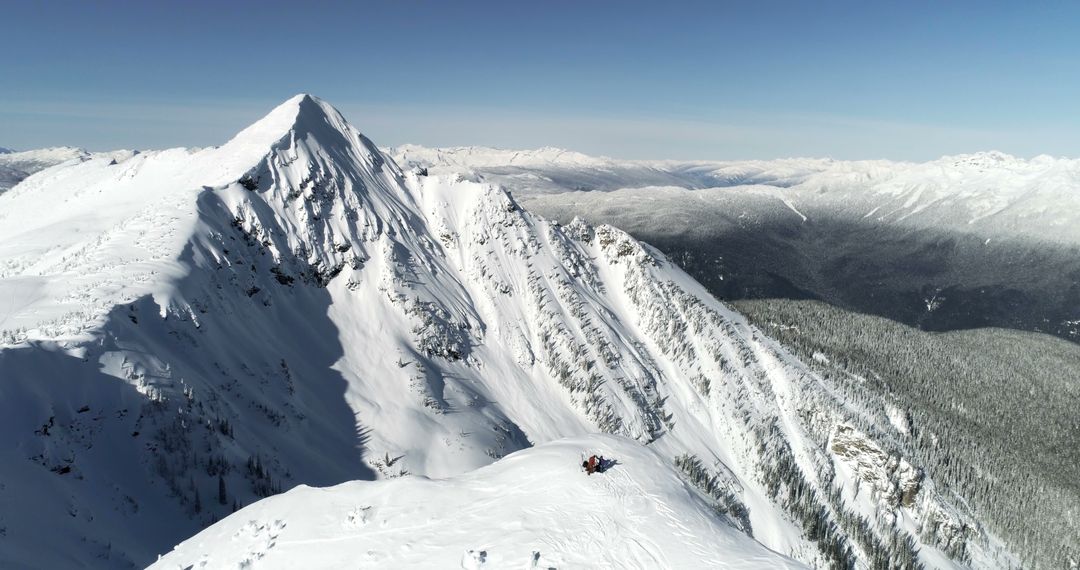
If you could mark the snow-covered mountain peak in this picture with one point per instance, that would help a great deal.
(300, 117)
(292, 307)
(150, 204)
(304, 128)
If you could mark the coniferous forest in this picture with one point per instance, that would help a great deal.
(993, 413)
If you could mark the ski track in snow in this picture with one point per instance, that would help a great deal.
(792, 207)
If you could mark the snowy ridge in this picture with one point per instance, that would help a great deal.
(17, 166)
(293, 308)
(533, 509)
(43, 158)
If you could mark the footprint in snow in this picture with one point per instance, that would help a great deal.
(261, 537)
(474, 559)
(534, 562)
(256, 529)
(357, 518)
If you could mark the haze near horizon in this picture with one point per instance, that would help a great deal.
(688, 80)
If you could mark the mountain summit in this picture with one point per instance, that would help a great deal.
(302, 119)
(186, 332)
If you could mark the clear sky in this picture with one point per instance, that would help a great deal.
(756, 79)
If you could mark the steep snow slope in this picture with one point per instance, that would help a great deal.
(533, 509)
(992, 411)
(187, 331)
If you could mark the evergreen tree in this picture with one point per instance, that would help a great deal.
(222, 497)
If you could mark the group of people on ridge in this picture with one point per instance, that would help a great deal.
(595, 464)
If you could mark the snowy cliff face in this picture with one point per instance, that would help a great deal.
(185, 332)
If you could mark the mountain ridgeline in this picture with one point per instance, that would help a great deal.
(293, 307)
(957, 243)
(962, 242)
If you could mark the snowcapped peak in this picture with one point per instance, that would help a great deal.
(365, 323)
(302, 115)
(303, 128)
(5, 150)
(311, 110)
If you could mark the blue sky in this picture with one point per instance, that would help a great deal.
(903, 80)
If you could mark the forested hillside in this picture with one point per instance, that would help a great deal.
(990, 413)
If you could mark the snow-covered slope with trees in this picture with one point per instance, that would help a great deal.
(975, 241)
(184, 332)
(533, 509)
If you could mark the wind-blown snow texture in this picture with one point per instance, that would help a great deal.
(184, 332)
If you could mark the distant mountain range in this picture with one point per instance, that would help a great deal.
(961, 242)
(17, 166)
(988, 193)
